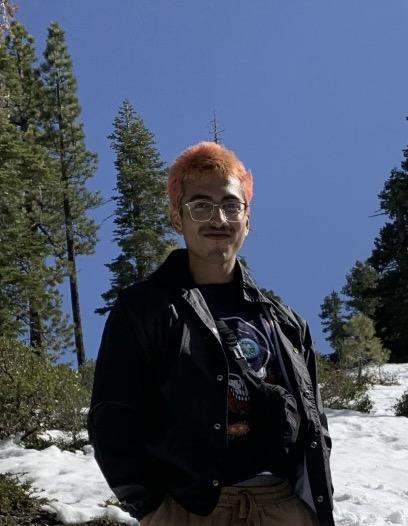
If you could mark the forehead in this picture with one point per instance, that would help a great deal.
(213, 186)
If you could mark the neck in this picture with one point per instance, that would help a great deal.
(211, 273)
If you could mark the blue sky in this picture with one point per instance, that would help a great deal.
(312, 96)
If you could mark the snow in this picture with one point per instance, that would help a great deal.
(369, 466)
(370, 458)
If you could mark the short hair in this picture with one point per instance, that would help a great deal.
(201, 159)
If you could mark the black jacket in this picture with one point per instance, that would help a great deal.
(161, 385)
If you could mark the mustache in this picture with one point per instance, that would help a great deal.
(215, 230)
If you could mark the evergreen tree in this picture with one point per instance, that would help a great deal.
(215, 130)
(390, 260)
(333, 320)
(30, 298)
(11, 187)
(64, 138)
(7, 12)
(360, 346)
(360, 287)
(141, 220)
(22, 78)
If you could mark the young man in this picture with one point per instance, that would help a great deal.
(206, 408)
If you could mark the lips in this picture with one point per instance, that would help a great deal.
(217, 235)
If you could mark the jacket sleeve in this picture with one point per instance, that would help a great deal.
(120, 410)
(311, 362)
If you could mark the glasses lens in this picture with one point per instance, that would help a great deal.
(233, 210)
(201, 210)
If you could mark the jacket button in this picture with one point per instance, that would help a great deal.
(220, 378)
(313, 444)
(320, 498)
(215, 483)
(217, 426)
(295, 350)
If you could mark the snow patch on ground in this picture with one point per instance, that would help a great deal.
(71, 481)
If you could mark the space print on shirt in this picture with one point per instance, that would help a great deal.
(256, 349)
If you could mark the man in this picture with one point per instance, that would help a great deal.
(206, 408)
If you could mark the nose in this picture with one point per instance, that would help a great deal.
(218, 217)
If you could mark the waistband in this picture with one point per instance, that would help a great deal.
(231, 495)
(260, 480)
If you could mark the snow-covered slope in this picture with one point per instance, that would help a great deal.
(370, 459)
(369, 464)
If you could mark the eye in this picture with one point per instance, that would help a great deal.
(200, 206)
(232, 207)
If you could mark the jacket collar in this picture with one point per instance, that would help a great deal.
(175, 273)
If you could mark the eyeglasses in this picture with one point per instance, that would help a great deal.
(201, 210)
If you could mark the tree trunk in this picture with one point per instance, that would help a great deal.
(73, 283)
(36, 328)
(69, 234)
(360, 369)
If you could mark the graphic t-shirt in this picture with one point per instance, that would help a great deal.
(246, 320)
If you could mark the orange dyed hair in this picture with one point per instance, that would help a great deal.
(201, 159)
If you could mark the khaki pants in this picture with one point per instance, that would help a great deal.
(244, 506)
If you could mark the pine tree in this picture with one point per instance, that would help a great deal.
(360, 346)
(7, 12)
(361, 289)
(22, 78)
(215, 130)
(11, 187)
(390, 260)
(141, 220)
(29, 213)
(333, 320)
(64, 138)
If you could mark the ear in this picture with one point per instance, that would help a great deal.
(175, 219)
(247, 225)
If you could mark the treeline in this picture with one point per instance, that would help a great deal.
(46, 205)
(367, 320)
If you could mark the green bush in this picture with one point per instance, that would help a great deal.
(341, 390)
(401, 407)
(72, 400)
(36, 395)
(386, 379)
(87, 373)
(19, 506)
(17, 496)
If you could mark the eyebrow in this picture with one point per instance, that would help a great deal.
(228, 197)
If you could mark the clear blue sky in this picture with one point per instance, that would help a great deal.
(312, 95)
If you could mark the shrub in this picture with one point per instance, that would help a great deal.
(87, 373)
(26, 401)
(36, 395)
(72, 399)
(401, 407)
(19, 506)
(341, 390)
(16, 495)
(387, 379)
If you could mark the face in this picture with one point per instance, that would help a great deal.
(216, 241)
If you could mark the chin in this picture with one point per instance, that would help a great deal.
(219, 254)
